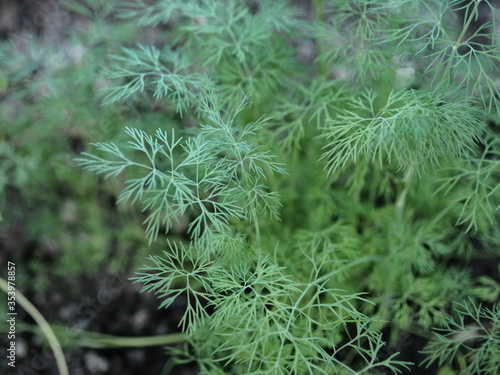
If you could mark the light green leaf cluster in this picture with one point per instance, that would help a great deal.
(19, 61)
(413, 130)
(450, 50)
(182, 273)
(94, 9)
(478, 193)
(385, 136)
(307, 107)
(217, 176)
(418, 290)
(229, 40)
(348, 37)
(264, 321)
(489, 289)
(167, 72)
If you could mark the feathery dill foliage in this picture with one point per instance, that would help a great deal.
(412, 130)
(166, 71)
(217, 176)
(480, 338)
(382, 145)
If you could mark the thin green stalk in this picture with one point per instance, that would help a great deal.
(455, 46)
(257, 231)
(318, 17)
(401, 200)
(318, 10)
(97, 340)
(167, 369)
(43, 324)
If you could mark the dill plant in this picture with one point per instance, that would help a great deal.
(325, 201)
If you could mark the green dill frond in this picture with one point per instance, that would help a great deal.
(230, 39)
(165, 73)
(93, 9)
(169, 185)
(473, 336)
(417, 26)
(474, 188)
(27, 66)
(184, 271)
(146, 14)
(264, 322)
(489, 288)
(309, 109)
(217, 176)
(449, 51)
(228, 29)
(348, 37)
(412, 131)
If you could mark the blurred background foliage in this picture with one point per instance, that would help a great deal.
(64, 221)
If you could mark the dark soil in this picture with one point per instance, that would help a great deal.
(108, 304)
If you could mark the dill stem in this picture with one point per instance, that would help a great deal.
(43, 324)
(401, 200)
(97, 340)
(318, 17)
(257, 230)
(460, 38)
